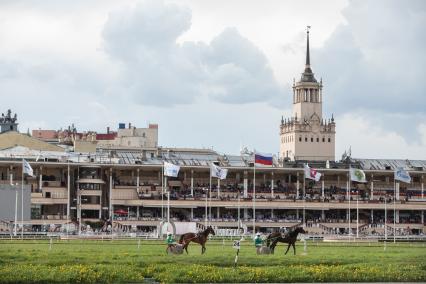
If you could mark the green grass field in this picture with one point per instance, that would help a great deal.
(122, 261)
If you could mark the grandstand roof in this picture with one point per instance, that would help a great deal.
(196, 157)
(385, 164)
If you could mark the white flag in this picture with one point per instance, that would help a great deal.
(311, 173)
(218, 172)
(171, 170)
(26, 168)
(402, 175)
(357, 175)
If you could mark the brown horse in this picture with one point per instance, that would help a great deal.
(199, 238)
(289, 238)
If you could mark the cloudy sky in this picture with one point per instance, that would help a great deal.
(218, 73)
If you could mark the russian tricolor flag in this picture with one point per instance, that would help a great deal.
(263, 159)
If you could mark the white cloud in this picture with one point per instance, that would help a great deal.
(368, 140)
(159, 71)
(363, 61)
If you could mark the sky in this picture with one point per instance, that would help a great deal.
(218, 74)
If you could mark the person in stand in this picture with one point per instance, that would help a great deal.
(170, 241)
(258, 242)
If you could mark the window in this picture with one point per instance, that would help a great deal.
(300, 139)
(317, 139)
(306, 139)
(323, 139)
(329, 139)
(312, 139)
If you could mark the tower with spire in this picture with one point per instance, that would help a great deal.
(306, 135)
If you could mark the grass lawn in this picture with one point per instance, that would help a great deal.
(122, 261)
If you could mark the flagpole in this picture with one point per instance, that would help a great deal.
(357, 213)
(238, 210)
(349, 204)
(22, 201)
(254, 193)
(304, 199)
(210, 197)
(205, 217)
(394, 210)
(168, 208)
(386, 216)
(162, 194)
(16, 210)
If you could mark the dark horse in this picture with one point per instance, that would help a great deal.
(199, 238)
(289, 238)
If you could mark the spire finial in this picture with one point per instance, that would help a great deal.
(308, 75)
(308, 61)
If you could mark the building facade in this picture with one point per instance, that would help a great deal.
(133, 197)
(307, 135)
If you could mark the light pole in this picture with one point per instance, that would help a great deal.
(386, 216)
(16, 209)
(239, 219)
(205, 217)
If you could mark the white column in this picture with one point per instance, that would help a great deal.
(137, 180)
(192, 214)
(192, 184)
(218, 188)
(397, 191)
(40, 178)
(323, 214)
(245, 185)
(397, 216)
(245, 213)
(272, 185)
(422, 187)
(348, 191)
(11, 175)
(137, 212)
(297, 186)
(322, 188)
(218, 212)
(372, 215)
(372, 188)
(272, 213)
(422, 217)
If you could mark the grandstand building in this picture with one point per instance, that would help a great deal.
(129, 194)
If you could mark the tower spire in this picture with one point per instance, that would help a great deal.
(308, 75)
(308, 61)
